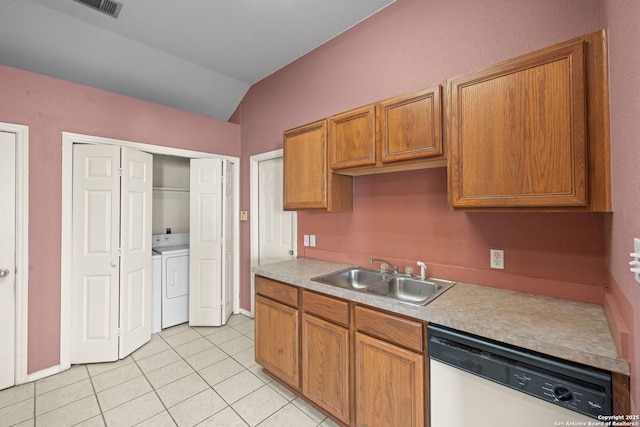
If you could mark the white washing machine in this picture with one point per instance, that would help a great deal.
(174, 254)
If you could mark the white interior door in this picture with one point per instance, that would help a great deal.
(96, 261)
(206, 242)
(135, 241)
(7, 258)
(276, 226)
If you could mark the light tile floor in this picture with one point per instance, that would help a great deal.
(184, 376)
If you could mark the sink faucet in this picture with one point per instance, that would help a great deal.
(395, 267)
(423, 267)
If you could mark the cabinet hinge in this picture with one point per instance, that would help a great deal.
(120, 171)
(119, 332)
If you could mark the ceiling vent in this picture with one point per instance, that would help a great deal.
(111, 8)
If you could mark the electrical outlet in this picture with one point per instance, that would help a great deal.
(497, 258)
(306, 240)
(312, 240)
(635, 264)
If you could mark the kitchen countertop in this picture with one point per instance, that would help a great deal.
(557, 327)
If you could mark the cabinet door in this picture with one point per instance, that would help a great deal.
(305, 167)
(352, 138)
(518, 132)
(276, 340)
(411, 126)
(325, 365)
(308, 184)
(389, 384)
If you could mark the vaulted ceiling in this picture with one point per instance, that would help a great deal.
(196, 55)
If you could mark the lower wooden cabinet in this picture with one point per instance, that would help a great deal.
(325, 366)
(359, 365)
(276, 340)
(389, 383)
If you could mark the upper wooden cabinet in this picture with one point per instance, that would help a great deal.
(532, 132)
(400, 133)
(308, 184)
(411, 126)
(352, 138)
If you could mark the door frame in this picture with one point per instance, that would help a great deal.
(68, 139)
(254, 223)
(22, 248)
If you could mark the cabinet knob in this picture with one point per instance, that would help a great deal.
(4, 272)
(114, 263)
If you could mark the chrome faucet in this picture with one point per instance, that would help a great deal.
(423, 267)
(395, 267)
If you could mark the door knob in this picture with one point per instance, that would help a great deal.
(290, 252)
(4, 272)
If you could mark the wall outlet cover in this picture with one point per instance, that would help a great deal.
(497, 258)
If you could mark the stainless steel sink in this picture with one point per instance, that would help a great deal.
(406, 289)
(353, 278)
(409, 290)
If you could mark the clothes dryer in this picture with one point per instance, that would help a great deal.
(174, 252)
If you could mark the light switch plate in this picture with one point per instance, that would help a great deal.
(312, 240)
(306, 239)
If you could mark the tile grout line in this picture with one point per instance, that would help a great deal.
(95, 394)
(154, 390)
(229, 405)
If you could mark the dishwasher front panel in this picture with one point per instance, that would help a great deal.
(461, 399)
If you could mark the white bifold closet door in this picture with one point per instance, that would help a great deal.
(111, 302)
(210, 244)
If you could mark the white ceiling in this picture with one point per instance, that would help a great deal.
(196, 55)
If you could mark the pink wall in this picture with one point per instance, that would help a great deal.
(49, 107)
(411, 44)
(623, 18)
(403, 217)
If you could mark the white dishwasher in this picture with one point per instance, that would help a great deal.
(478, 382)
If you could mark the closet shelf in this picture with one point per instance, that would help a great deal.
(181, 190)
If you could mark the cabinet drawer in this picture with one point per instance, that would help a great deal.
(328, 308)
(393, 329)
(277, 291)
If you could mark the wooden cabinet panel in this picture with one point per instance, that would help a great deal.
(352, 138)
(518, 132)
(305, 168)
(325, 366)
(394, 329)
(277, 291)
(308, 183)
(400, 133)
(532, 132)
(389, 383)
(411, 125)
(326, 307)
(276, 340)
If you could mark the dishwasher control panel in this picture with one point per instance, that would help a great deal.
(576, 387)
